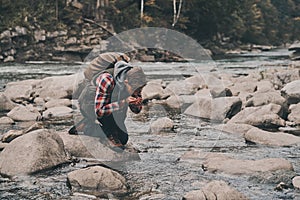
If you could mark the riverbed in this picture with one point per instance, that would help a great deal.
(160, 172)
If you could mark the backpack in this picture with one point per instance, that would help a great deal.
(86, 90)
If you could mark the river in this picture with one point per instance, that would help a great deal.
(159, 169)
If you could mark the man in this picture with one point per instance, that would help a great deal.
(112, 85)
(114, 94)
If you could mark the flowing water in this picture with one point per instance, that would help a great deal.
(160, 170)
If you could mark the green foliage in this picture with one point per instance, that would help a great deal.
(218, 21)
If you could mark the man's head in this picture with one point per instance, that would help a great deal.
(135, 80)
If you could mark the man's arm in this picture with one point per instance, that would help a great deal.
(105, 86)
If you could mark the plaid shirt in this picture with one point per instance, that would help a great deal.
(103, 105)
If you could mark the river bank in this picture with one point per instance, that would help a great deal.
(250, 122)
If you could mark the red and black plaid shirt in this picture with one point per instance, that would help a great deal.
(103, 104)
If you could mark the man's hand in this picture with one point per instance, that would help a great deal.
(134, 100)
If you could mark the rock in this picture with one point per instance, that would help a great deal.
(21, 30)
(21, 113)
(204, 93)
(6, 120)
(267, 116)
(21, 90)
(296, 182)
(215, 190)
(273, 177)
(9, 59)
(182, 101)
(217, 92)
(218, 162)
(233, 128)
(180, 88)
(239, 167)
(97, 180)
(153, 90)
(294, 115)
(40, 35)
(147, 58)
(33, 152)
(161, 125)
(265, 98)
(11, 135)
(259, 136)
(56, 87)
(247, 86)
(5, 103)
(280, 78)
(58, 102)
(58, 112)
(292, 92)
(215, 109)
(91, 147)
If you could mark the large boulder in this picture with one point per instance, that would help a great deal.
(259, 136)
(56, 87)
(21, 90)
(292, 92)
(33, 152)
(22, 113)
(91, 147)
(215, 109)
(180, 102)
(97, 180)
(215, 190)
(5, 103)
(294, 115)
(265, 98)
(267, 116)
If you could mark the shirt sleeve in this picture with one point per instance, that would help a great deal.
(103, 104)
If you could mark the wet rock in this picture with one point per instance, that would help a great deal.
(56, 87)
(215, 190)
(21, 90)
(215, 109)
(153, 90)
(182, 101)
(233, 128)
(265, 98)
(21, 113)
(294, 115)
(232, 166)
(6, 120)
(161, 125)
(221, 163)
(179, 88)
(33, 152)
(11, 135)
(296, 182)
(292, 92)
(267, 116)
(33, 127)
(5, 103)
(58, 102)
(58, 112)
(91, 147)
(97, 180)
(259, 136)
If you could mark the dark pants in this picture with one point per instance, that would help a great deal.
(107, 128)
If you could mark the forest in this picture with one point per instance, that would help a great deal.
(234, 22)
